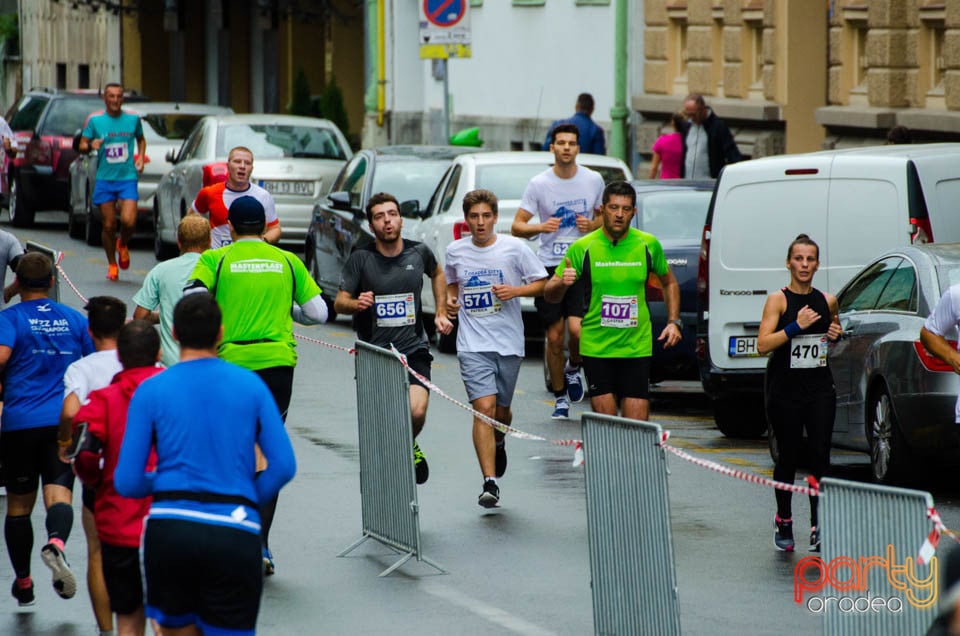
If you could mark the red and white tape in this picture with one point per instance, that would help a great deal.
(926, 552)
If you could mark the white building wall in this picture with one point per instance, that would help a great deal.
(528, 65)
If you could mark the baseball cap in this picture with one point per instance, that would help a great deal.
(246, 212)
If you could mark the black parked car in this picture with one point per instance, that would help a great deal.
(674, 210)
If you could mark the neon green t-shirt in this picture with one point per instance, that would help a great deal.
(617, 321)
(255, 284)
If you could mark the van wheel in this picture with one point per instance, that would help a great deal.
(21, 212)
(739, 418)
(889, 456)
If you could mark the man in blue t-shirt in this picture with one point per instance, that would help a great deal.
(39, 339)
(116, 136)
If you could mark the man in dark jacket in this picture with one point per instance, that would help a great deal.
(707, 143)
(591, 137)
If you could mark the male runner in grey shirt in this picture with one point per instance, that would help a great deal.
(10, 253)
(381, 286)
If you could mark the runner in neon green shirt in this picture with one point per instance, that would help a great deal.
(261, 290)
(616, 340)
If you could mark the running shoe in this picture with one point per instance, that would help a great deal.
(420, 464)
(561, 409)
(24, 595)
(574, 383)
(815, 539)
(64, 582)
(783, 538)
(501, 465)
(490, 497)
(113, 272)
(269, 567)
(123, 256)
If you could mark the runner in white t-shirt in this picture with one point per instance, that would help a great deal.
(487, 274)
(106, 316)
(564, 200)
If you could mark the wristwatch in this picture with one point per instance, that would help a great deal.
(677, 322)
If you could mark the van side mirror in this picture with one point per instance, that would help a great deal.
(76, 141)
(410, 209)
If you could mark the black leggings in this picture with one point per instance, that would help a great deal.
(280, 382)
(810, 408)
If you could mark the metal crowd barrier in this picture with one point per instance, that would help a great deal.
(388, 489)
(632, 571)
(867, 580)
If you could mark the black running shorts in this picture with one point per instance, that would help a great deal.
(121, 572)
(623, 377)
(419, 361)
(574, 303)
(31, 454)
(202, 573)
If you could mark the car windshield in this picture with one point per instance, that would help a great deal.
(28, 112)
(67, 116)
(406, 180)
(160, 127)
(509, 180)
(270, 141)
(673, 215)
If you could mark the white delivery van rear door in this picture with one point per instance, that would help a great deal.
(760, 209)
(868, 215)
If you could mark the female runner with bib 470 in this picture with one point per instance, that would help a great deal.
(798, 321)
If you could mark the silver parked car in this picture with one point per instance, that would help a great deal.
(294, 158)
(165, 126)
(895, 400)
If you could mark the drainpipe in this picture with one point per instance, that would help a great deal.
(381, 62)
(370, 24)
(619, 112)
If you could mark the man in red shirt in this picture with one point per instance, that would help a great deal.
(214, 201)
(119, 520)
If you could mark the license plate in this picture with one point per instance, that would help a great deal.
(744, 347)
(299, 188)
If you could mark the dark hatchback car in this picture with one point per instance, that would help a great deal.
(339, 222)
(674, 211)
(894, 399)
(44, 121)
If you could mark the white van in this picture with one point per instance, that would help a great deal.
(854, 203)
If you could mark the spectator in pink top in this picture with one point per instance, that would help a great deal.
(668, 152)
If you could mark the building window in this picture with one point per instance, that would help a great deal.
(596, 2)
(61, 75)
(932, 67)
(677, 56)
(83, 76)
(529, 3)
(476, 3)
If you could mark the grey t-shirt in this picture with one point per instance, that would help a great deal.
(10, 252)
(547, 195)
(396, 283)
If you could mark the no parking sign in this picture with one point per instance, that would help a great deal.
(444, 28)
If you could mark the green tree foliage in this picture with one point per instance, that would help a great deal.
(10, 33)
(331, 106)
(300, 103)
